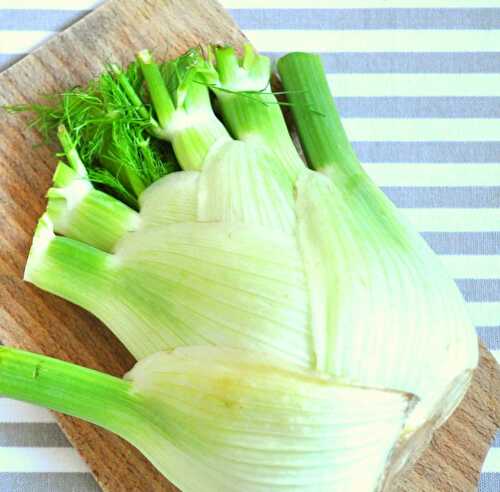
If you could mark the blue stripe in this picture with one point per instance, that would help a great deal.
(8, 59)
(490, 336)
(418, 107)
(496, 442)
(479, 290)
(335, 19)
(444, 196)
(41, 435)
(489, 482)
(352, 19)
(48, 482)
(404, 62)
(428, 152)
(464, 243)
(38, 20)
(354, 62)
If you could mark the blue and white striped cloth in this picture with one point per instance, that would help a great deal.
(418, 86)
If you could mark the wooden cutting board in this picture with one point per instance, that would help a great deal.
(34, 320)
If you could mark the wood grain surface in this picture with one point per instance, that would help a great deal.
(34, 320)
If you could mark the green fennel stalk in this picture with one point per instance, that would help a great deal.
(249, 107)
(182, 108)
(80, 211)
(90, 395)
(322, 134)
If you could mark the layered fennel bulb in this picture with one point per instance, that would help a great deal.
(246, 250)
(220, 419)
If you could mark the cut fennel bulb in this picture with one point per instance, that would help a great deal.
(217, 419)
(248, 248)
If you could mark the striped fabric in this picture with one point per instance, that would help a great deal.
(418, 85)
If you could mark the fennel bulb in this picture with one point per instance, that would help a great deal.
(248, 248)
(220, 419)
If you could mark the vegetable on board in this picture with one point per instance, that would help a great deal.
(293, 331)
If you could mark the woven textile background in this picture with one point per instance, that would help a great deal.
(418, 86)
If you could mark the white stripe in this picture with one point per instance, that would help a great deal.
(379, 40)
(13, 411)
(353, 4)
(492, 462)
(418, 174)
(484, 313)
(414, 85)
(50, 4)
(491, 327)
(472, 266)
(454, 219)
(423, 129)
(38, 460)
(496, 354)
(20, 42)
